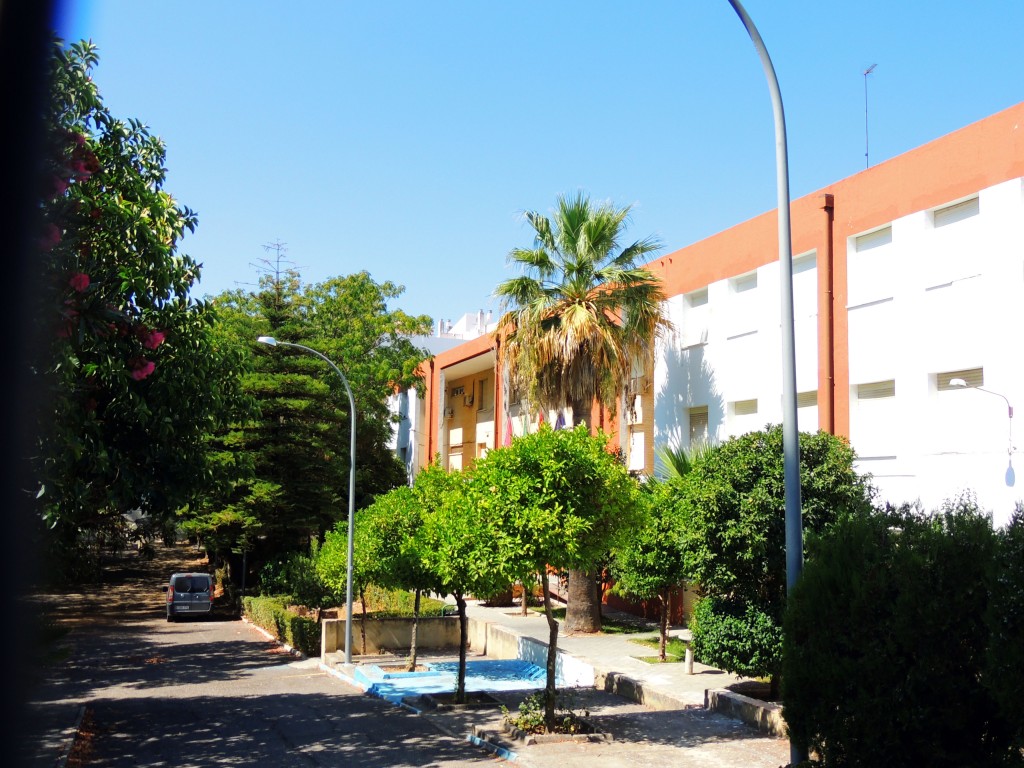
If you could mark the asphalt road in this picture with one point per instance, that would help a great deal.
(206, 693)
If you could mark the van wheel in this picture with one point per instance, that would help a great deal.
(170, 617)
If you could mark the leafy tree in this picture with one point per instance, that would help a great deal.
(733, 504)
(652, 561)
(576, 324)
(286, 473)
(391, 543)
(553, 498)
(458, 547)
(295, 575)
(886, 643)
(134, 375)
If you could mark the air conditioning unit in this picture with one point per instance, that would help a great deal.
(449, 413)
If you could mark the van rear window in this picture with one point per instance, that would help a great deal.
(192, 584)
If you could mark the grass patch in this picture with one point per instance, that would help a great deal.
(609, 626)
(675, 649)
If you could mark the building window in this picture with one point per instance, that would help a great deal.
(875, 239)
(805, 262)
(876, 390)
(698, 424)
(697, 298)
(950, 214)
(744, 283)
(972, 377)
(744, 407)
(807, 399)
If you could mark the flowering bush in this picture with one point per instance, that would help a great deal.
(134, 379)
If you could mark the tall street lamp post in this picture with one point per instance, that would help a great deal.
(271, 341)
(790, 433)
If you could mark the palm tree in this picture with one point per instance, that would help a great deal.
(575, 325)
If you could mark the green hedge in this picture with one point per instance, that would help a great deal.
(271, 613)
(736, 637)
(893, 653)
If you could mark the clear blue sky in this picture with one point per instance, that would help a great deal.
(407, 138)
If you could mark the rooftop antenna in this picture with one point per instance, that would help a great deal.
(867, 72)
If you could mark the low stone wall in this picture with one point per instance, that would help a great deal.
(391, 635)
(505, 643)
(437, 633)
(764, 715)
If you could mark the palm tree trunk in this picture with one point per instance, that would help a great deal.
(583, 608)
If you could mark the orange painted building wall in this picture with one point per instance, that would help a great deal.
(959, 164)
(980, 155)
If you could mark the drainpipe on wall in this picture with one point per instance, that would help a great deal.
(827, 409)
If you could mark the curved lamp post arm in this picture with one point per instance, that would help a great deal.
(962, 383)
(271, 341)
(790, 432)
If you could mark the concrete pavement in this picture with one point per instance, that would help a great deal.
(652, 714)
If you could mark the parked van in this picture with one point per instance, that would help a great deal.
(189, 593)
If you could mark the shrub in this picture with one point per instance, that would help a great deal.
(399, 603)
(737, 637)
(1005, 621)
(272, 614)
(885, 642)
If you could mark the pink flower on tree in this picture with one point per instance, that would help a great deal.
(79, 281)
(50, 237)
(153, 339)
(141, 368)
(58, 186)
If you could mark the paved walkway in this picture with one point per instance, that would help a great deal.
(654, 714)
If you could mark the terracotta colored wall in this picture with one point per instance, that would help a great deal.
(980, 155)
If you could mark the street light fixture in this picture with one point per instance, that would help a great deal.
(1009, 408)
(272, 342)
(790, 433)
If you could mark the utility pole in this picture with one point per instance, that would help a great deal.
(867, 72)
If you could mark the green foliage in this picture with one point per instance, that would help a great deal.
(295, 574)
(458, 545)
(389, 533)
(737, 637)
(530, 716)
(584, 312)
(1005, 620)
(286, 473)
(554, 498)
(674, 462)
(398, 603)
(653, 558)
(887, 648)
(732, 505)
(133, 373)
(272, 614)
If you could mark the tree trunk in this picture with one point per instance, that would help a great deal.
(362, 624)
(550, 691)
(415, 630)
(460, 688)
(666, 611)
(583, 608)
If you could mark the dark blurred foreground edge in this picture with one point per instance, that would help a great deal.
(24, 42)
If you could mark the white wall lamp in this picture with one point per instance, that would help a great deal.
(1010, 477)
